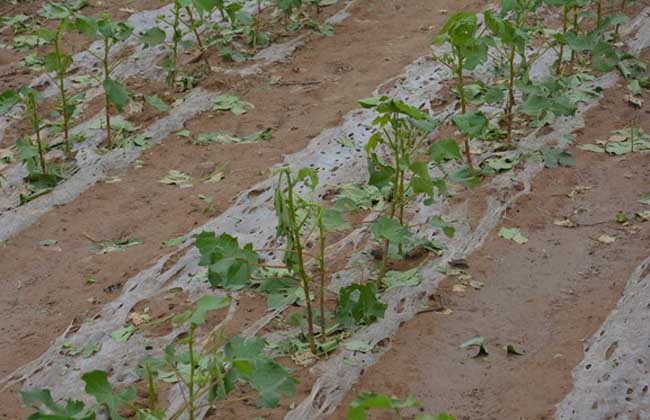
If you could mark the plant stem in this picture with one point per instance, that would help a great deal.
(171, 78)
(190, 398)
(599, 12)
(195, 31)
(64, 98)
(153, 397)
(622, 10)
(295, 232)
(36, 124)
(107, 104)
(511, 91)
(463, 105)
(565, 27)
(321, 266)
(576, 29)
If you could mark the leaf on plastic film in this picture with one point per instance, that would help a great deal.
(394, 279)
(358, 345)
(156, 102)
(122, 335)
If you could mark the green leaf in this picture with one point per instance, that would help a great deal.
(394, 279)
(116, 93)
(42, 401)
(8, 100)
(359, 345)
(387, 228)
(334, 220)
(371, 400)
(250, 364)
(172, 243)
(122, 335)
(229, 265)
(206, 304)
(645, 198)
(476, 342)
(591, 148)
(513, 234)
(232, 103)
(511, 350)
(156, 102)
(178, 178)
(54, 11)
(358, 305)
(472, 124)
(48, 242)
(604, 57)
(440, 223)
(555, 158)
(98, 386)
(361, 197)
(153, 36)
(281, 292)
(272, 381)
(444, 150)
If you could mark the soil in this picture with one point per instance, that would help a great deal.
(50, 287)
(546, 297)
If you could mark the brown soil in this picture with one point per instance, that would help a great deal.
(545, 297)
(47, 286)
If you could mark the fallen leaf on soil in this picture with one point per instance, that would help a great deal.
(645, 198)
(617, 138)
(511, 350)
(637, 102)
(177, 178)
(476, 342)
(458, 288)
(644, 215)
(476, 284)
(513, 234)
(567, 223)
(606, 239)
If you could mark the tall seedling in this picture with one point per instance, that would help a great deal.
(293, 213)
(512, 39)
(110, 33)
(401, 130)
(58, 63)
(468, 50)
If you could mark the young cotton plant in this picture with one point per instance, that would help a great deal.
(58, 63)
(233, 267)
(509, 30)
(398, 169)
(468, 50)
(206, 375)
(110, 33)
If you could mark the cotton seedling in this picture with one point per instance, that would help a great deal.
(508, 27)
(207, 374)
(468, 50)
(30, 100)
(400, 132)
(59, 63)
(110, 33)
